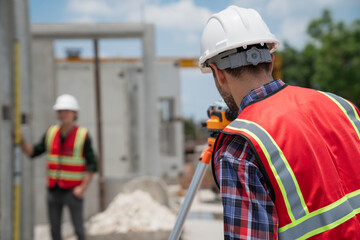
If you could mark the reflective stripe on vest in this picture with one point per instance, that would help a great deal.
(348, 109)
(283, 173)
(303, 224)
(50, 136)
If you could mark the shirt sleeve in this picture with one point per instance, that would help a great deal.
(91, 162)
(249, 212)
(40, 147)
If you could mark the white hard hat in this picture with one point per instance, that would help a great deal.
(66, 102)
(232, 28)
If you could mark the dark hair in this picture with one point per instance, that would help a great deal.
(237, 72)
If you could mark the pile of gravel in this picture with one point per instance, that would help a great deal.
(132, 212)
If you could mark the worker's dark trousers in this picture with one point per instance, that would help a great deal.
(57, 199)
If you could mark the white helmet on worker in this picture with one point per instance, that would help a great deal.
(66, 102)
(228, 31)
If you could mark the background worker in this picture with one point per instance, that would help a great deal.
(286, 165)
(71, 164)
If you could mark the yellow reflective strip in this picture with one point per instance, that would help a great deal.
(50, 136)
(278, 179)
(78, 164)
(64, 157)
(328, 227)
(65, 174)
(76, 143)
(79, 141)
(342, 109)
(286, 164)
(52, 158)
(282, 189)
(71, 175)
(322, 210)
(52, 173)
(65, 160)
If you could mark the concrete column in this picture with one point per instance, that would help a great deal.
(6, 74)
(27, 186)
(151, 123)
(43, 116)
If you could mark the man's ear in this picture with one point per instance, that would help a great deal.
(219, 74)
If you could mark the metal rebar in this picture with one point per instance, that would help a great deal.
(99, 125)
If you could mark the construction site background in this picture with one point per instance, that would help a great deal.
(132, 106)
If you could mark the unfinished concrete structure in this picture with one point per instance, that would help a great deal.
(138, 105)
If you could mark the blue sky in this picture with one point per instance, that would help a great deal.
(178, 25)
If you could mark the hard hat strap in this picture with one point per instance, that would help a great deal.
(234, 59)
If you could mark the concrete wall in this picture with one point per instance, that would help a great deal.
(123, 114)
(171, 128)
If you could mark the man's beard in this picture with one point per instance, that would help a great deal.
(230, 102)
(228, 98)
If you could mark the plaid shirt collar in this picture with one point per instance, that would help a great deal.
(261, 92)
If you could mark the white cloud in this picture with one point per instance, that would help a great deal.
(279, 8)
(289, 19)
(293, 31)
(103, 10)
(183, 15)
(89, 7)
(259, 5)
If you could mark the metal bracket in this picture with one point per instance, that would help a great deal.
(5, 112)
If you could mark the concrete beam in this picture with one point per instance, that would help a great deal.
(89, 31)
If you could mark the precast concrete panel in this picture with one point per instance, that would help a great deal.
(138, 120)
(168, 85)
(76, 78)
(44, 92)
(116, 158)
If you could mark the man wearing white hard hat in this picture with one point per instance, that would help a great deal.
(71, 164)
(286, 165)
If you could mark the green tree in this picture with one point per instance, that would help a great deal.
(298, 66)
(330, 61)
(192, 129)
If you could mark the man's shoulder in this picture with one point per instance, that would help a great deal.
(81, 128)
(232, 144)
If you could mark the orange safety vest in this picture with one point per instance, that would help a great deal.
(309, 145)
(65, 162)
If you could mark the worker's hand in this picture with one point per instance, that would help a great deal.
(79, 191)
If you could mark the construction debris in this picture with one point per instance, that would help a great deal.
(132, 212)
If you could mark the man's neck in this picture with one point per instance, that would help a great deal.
(245, 85)
(66, 129)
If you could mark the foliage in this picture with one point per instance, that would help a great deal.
(330, 61)
(192, 129)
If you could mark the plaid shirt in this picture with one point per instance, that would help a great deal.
(249, 212)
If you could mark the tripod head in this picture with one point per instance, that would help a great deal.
(219, 117)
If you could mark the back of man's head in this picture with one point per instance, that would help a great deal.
(237, 40)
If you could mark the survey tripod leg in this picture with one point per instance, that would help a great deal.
(220, 116)
(200, 171)
(194, 186)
